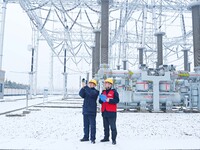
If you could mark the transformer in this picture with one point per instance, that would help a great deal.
(148, 89)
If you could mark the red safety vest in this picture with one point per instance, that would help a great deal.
(107, 106)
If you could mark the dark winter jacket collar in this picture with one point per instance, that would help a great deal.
(108, 90)
(90, 87)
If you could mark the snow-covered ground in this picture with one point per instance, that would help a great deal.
(15, 102)
(61, 128)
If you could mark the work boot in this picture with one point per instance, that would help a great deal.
(104, 140)
(114, 142)
(84, 140)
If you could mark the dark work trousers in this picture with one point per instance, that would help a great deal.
(110, 121)
(89, 122)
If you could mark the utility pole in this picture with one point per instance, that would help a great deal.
(31, 73)
(51, 88)
(35, 43)
(65, 75)
(65, 92)
(2, 27)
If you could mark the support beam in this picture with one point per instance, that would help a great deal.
(80, 82)
(88, 77)
(26, 6)
(31, 73)
(134, 5)
(35, 45)
(97, 50)
(156, 92)
(51, 87)
(93, 62)
(65, 75)
(2, 29)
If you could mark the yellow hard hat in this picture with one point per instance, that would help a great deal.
(109, 80)
(93, 81)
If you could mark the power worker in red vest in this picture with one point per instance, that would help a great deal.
(109, 110)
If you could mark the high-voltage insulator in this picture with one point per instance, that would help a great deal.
(186, 65)
(104, 30)
(159, 36)
(195, 7)
(97, 50)
(125, 64)
(141, 51)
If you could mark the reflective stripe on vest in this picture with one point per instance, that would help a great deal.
(107, 106)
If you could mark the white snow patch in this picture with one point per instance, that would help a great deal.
(54, 128)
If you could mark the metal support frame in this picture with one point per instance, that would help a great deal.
(51, 85)
(65, 94)
(93, 62)
(88, 77)
(35, 46)
(26, 5)
(144, 26)
(97, 53)
(156, 93)
(198, 102)
(31, 72)
(2, 27)
(134, 5)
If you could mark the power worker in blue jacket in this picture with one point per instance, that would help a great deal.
(90, 95)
